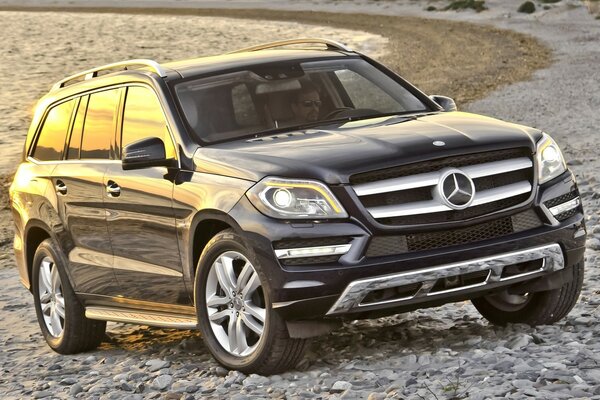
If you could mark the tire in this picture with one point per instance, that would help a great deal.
(72, 332)
(539, 308)
(267, 351)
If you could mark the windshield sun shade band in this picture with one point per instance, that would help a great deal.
(318, 251)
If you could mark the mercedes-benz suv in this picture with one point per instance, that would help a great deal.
(265, 195)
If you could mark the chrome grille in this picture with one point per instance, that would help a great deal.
(502, 179)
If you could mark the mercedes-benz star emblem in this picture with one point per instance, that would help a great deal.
(456, 189)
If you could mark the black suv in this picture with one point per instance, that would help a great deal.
(265, 195)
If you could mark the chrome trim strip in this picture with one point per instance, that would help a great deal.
(432, 178)
(502, 192)
(329, 43)
(352, 297)
(432, 206)
(566, 206)
(317, 251)
(92, 73)
(141, 317)
(497, 167)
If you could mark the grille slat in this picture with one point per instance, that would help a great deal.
(408, 194)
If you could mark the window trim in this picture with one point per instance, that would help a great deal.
(125, 85)
(40, 126)
(119, 131)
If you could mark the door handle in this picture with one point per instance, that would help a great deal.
(112, 189)
(60, 187)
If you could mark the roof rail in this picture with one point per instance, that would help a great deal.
(92, 73)
(331, 44)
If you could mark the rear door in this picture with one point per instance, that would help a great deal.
(139, 206)
(78, 183)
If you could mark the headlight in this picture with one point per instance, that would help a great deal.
(295, 199)
(550, 159)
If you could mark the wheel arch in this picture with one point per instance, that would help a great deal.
(35, 233)
(205, 225)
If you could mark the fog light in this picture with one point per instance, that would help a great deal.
(313, 251)
(566, 206)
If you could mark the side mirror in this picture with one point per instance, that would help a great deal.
(149, 152)
(445, 102)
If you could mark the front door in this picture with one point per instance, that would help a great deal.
(139, 205)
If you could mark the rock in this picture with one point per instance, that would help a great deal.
(593, 244)
(528, 7)
(340, 386)
(41, 394)
(162, 382)
(519, 342)
(522, 383)
(68, 381)
(156, 365)
(220, 371)
(75, 389)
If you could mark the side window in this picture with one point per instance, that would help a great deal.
(364, 94)
(144, 118)
(51, 140)
(243, 106)
(99, 127)
(76, 133)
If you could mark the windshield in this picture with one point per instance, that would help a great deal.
(286, 96)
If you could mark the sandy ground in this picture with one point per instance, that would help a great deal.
(38, 43)
(406, 356)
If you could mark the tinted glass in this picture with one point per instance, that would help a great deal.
(99, 127)
(51, 141)
(288, 96)
(144, 118)
(75, 141)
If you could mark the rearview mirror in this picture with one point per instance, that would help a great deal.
(148, 152)
(445, 102)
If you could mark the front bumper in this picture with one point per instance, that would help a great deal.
(357, 286)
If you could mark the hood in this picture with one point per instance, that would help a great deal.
(332, 155)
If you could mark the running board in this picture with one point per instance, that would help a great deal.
(162, 320)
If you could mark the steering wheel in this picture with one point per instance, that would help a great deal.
(336, 112)
(350, 112)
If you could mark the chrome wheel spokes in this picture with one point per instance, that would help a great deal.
(235, 303)
(52, 301)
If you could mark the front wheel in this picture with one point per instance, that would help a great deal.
(235, 313)
(540, 308)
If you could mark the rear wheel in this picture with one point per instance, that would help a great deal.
(235, 313)
(540, 308)
(60, 314)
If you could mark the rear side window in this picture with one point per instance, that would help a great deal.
(99, 127)
(144, 118)
(75, 142)
(51, 140)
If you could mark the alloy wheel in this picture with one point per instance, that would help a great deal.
(235, 303)
(52, 301)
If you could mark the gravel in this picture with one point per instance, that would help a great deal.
(444, 352)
